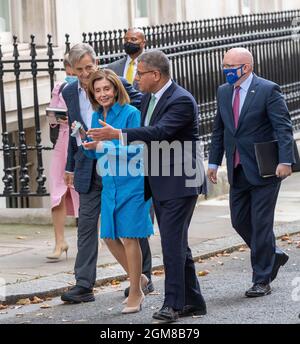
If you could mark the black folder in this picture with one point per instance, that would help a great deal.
(267, 158)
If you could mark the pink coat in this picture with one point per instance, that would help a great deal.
(58, 163)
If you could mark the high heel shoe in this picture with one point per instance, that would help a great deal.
(125, 301)
(144, 282)
(134, 309)
(59, 251)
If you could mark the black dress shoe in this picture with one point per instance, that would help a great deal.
(190, 310)
(258, 289)
(280, 260)
(78, 294)
(149, 288)
(166, 314)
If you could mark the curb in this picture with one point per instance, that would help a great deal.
(59, 283)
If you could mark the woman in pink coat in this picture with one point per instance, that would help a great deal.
(64, 199)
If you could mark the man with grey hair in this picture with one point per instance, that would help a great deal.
(81, 172)
(170, 114)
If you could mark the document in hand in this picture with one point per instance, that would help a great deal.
(267, 158)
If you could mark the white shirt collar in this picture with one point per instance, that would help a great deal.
(159, 93)
(246, 83)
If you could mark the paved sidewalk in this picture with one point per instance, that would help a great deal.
(27, 272)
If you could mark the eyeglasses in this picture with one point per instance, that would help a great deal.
(140, 74)
(228, 66)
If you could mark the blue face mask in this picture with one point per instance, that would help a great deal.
(231, 74)
(70, 78)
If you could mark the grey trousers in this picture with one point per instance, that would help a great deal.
(87, 237)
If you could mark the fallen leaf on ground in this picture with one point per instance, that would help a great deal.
(24, 302)
(235, 258)
(115, 282)
(225, 254)
(242, 249)
(203, 273)
(154, 293)
(45, 305)
(36, 300)
(285, 238)
(3, 307)
(21, 237)
(200, 261)
(158, 272)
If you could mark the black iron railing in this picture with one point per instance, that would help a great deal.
(196, 65)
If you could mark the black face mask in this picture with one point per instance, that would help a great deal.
(131, 48)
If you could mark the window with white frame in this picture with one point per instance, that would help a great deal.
(4, 16)
(245, 5)
(141, 11)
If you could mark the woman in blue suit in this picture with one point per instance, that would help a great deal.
(124, 213)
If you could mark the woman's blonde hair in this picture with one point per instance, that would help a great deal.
(121, 94)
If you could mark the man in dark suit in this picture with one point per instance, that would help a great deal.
(134, 45)
(170, 119)
(251, 110)
(81, 172)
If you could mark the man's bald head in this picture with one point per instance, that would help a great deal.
(239, 56)
(136, 31)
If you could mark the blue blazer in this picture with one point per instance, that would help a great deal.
(175, 118)
(77, 162)
(264, 117)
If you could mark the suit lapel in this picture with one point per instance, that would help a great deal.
(228, 105)
(76, 106)
(121, 66)
(248, 100)
(144, 108)
(162, 102)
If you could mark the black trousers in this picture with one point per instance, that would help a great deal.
(181, 283)
(252, 215)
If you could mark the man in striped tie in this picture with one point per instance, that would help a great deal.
(251, 110)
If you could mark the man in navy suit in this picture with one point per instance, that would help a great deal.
(81, 172)
(169, 118)
(251, 110)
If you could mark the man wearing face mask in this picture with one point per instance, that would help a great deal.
(251, 109)
(134, 44)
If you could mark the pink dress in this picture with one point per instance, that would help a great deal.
(58, 163)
